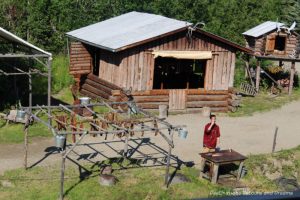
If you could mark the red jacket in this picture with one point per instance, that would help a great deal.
(210, 137)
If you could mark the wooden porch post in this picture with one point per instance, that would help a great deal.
(257, 75)
(292, 78)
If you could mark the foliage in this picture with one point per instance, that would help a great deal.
(60, 72)
(45, 22)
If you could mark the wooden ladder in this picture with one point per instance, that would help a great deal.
(248, 89)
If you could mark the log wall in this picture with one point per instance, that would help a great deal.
(80, 60)
(260, 44)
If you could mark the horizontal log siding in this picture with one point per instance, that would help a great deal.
(291, 43)
(80, 60)
(134, 67)
(217, 100)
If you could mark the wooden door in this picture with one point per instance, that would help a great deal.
(177, 99)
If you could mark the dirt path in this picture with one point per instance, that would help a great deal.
(247, 135)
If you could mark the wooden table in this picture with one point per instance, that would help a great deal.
(215, 159)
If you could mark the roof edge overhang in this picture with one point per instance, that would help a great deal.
(226, 41)
(133, 44)
(21, 41)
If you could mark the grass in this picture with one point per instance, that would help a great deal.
(138, 183)
(60, 73)
(141, 182)
(259, 165)
(264, 102)
(13, 133)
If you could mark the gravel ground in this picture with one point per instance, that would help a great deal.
(247, 135)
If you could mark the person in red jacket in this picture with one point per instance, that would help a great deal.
(211, 136)
(211, 139)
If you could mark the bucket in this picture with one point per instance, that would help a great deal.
(84, 100)
(20, 115)
(182, 133)
(60, 141)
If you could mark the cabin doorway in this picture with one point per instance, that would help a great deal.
(171, 73)
(178, 75)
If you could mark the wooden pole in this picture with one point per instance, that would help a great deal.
(49, 63)
(168, 161)
(25, 145)
(257, 75)
(126, 145)
(62, 175)
(247, 71)
(30, 90)
(292, 78)
(274, 141)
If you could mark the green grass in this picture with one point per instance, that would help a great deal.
(256, 178)
(138, 183)
(64, 95)
(263, 102)
(13, 133)
(60, 73)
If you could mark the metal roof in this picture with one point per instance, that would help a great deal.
(13, 38)
(127, 29)
(263, 28)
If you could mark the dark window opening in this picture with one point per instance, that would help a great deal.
(280, 43)
(95, 61)
(171, 73)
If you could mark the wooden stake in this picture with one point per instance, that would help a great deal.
(25, 146)
(292, 78)
(62, 175)
(274, 141)
(126, 145)
(257, 75)
(49, 63)
(168, 161)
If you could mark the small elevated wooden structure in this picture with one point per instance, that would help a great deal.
(274, 41)
(161, 60)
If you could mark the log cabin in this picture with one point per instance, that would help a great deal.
(162, 61)
(273, 39)
(277, 42)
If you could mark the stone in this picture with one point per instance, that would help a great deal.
(179, 178)
(273, 176)
(106, 169)
(206, 111)
(107, 180)
(287, 162)
(6, 183)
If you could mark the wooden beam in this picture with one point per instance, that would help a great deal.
(257, 75)
(292, 78)
(23, 56)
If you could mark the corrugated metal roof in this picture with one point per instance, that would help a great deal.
(11, 37)
(263, 28)
(121, 31)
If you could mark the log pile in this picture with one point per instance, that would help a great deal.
(95, 87)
